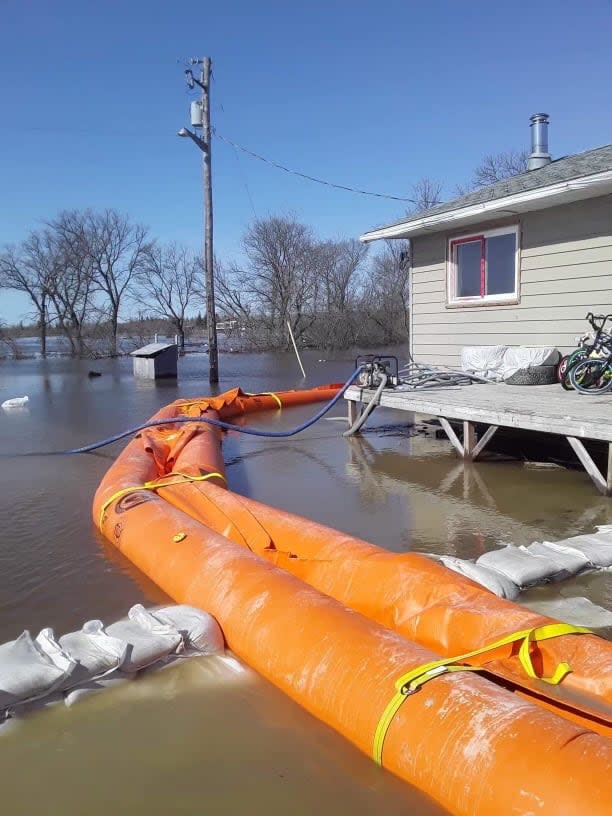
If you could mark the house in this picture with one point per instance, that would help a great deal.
(519, 262)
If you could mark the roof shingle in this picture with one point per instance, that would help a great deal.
(565, 169)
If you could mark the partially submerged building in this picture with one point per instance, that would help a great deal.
(518, 263)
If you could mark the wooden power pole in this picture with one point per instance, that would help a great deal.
(211, 317)
(200, 118)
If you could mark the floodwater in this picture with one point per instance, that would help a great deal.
(210, 736)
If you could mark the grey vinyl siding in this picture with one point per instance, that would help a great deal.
(565, 271)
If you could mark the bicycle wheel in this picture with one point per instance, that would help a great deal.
(566, 365)
(591, 376)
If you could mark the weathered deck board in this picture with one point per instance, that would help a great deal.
(544, 408)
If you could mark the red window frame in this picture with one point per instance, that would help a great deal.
(473, 239)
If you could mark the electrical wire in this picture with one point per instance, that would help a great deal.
(254, 155)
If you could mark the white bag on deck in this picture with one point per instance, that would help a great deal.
(521, 357)
(485, 361)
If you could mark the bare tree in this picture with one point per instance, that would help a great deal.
(112, 249)
(231, 292)
(426, 193)
(169, 282)
(496, 168)
(338, 264)
(338, 272)
(281, 279)
(116, 249)
(72, 284)
(27, 269)
(385, 298)
(500, 166)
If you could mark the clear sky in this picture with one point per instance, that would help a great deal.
(369, 94)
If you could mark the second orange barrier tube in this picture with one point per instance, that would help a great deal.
(473, 747)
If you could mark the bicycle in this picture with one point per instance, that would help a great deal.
(600, 343)
(593, 375)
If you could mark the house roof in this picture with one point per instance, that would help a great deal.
(581, 175)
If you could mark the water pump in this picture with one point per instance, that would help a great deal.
(373, 365)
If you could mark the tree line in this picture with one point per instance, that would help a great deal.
(332, 293)
(83, 270)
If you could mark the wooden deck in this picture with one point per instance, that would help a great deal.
(543, 408)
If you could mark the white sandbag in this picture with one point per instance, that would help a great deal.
(116, 678)
(566, 562)
(519, 565)
(492, 580)
(27, 671)
(94, 651)
(597, 551)
(148, 640)
(605, 528)
(200, 631)
(517, 358)
(485, 361)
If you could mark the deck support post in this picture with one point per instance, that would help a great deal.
(603, 485)
(609, 474)
(469, 440)
(484, 440)
(469, 449)
(353, 412)
(454, 439)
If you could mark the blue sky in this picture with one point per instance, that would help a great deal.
(372, 95)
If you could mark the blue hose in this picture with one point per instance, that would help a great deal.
(218, 423)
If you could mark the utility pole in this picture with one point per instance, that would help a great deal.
(200, 118)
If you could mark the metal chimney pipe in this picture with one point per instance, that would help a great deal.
(539, 142)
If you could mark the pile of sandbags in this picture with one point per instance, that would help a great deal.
(508, 570)
(37, 671)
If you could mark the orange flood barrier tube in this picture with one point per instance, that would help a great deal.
(410, 593)
(471, 745)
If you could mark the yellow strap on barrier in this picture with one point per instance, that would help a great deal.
(410, 682)
(266, 394)
(154, 485)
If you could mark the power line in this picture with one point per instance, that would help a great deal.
(307, 177)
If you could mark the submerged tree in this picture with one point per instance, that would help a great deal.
(29, 268)
(281, 280)
(112, 249)
(385, 298)
(169, 283)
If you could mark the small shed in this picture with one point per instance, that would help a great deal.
(155, 361)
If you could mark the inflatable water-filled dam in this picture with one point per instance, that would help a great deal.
(485, 706)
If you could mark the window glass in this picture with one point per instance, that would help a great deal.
(500, 251)
(468, 268)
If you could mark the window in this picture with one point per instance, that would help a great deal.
(483, 268)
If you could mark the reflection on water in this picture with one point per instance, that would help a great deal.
(192, 738)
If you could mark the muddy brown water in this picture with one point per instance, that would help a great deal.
(210, 736)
